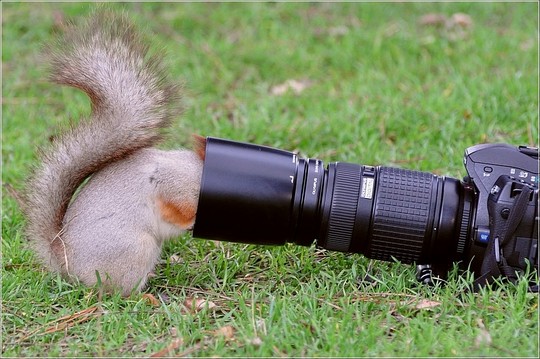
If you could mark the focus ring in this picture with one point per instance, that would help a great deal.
(343, 209)
(464, 225)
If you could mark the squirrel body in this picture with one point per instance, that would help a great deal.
(103, 200)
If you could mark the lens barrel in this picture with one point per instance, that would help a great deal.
(246, 193)
(261, 195)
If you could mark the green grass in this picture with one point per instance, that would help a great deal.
(383, 90)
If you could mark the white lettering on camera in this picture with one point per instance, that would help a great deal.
(367, 188)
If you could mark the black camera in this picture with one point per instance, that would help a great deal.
(261, 195)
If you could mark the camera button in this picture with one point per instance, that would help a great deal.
(482, 235)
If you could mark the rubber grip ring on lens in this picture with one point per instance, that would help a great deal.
(402, 215)
(343, 209)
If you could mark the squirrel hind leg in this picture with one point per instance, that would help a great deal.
(123, 267)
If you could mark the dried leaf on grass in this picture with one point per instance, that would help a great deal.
(65, 322)
(175, 344)
(226, 331)
(72, 319)
(457, 19)
(432, 19)
(461, 19)
(195, 305)
(427, 304)
(455, 27)
(296, 86)
(401, 299)
(190, 350)
(151, 299)
(176, 259)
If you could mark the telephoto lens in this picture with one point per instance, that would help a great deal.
(261, 195)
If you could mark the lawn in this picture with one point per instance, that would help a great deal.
(367, 83)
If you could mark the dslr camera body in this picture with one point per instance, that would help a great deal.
(487, 223)
(505, 237)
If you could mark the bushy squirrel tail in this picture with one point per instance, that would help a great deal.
(131, 101)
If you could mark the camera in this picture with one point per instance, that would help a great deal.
(487, 222)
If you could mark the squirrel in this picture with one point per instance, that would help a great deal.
(103, 199)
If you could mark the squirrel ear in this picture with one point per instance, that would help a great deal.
(200, 145)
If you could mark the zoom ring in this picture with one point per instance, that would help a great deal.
(343, 210)
(401, 214)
